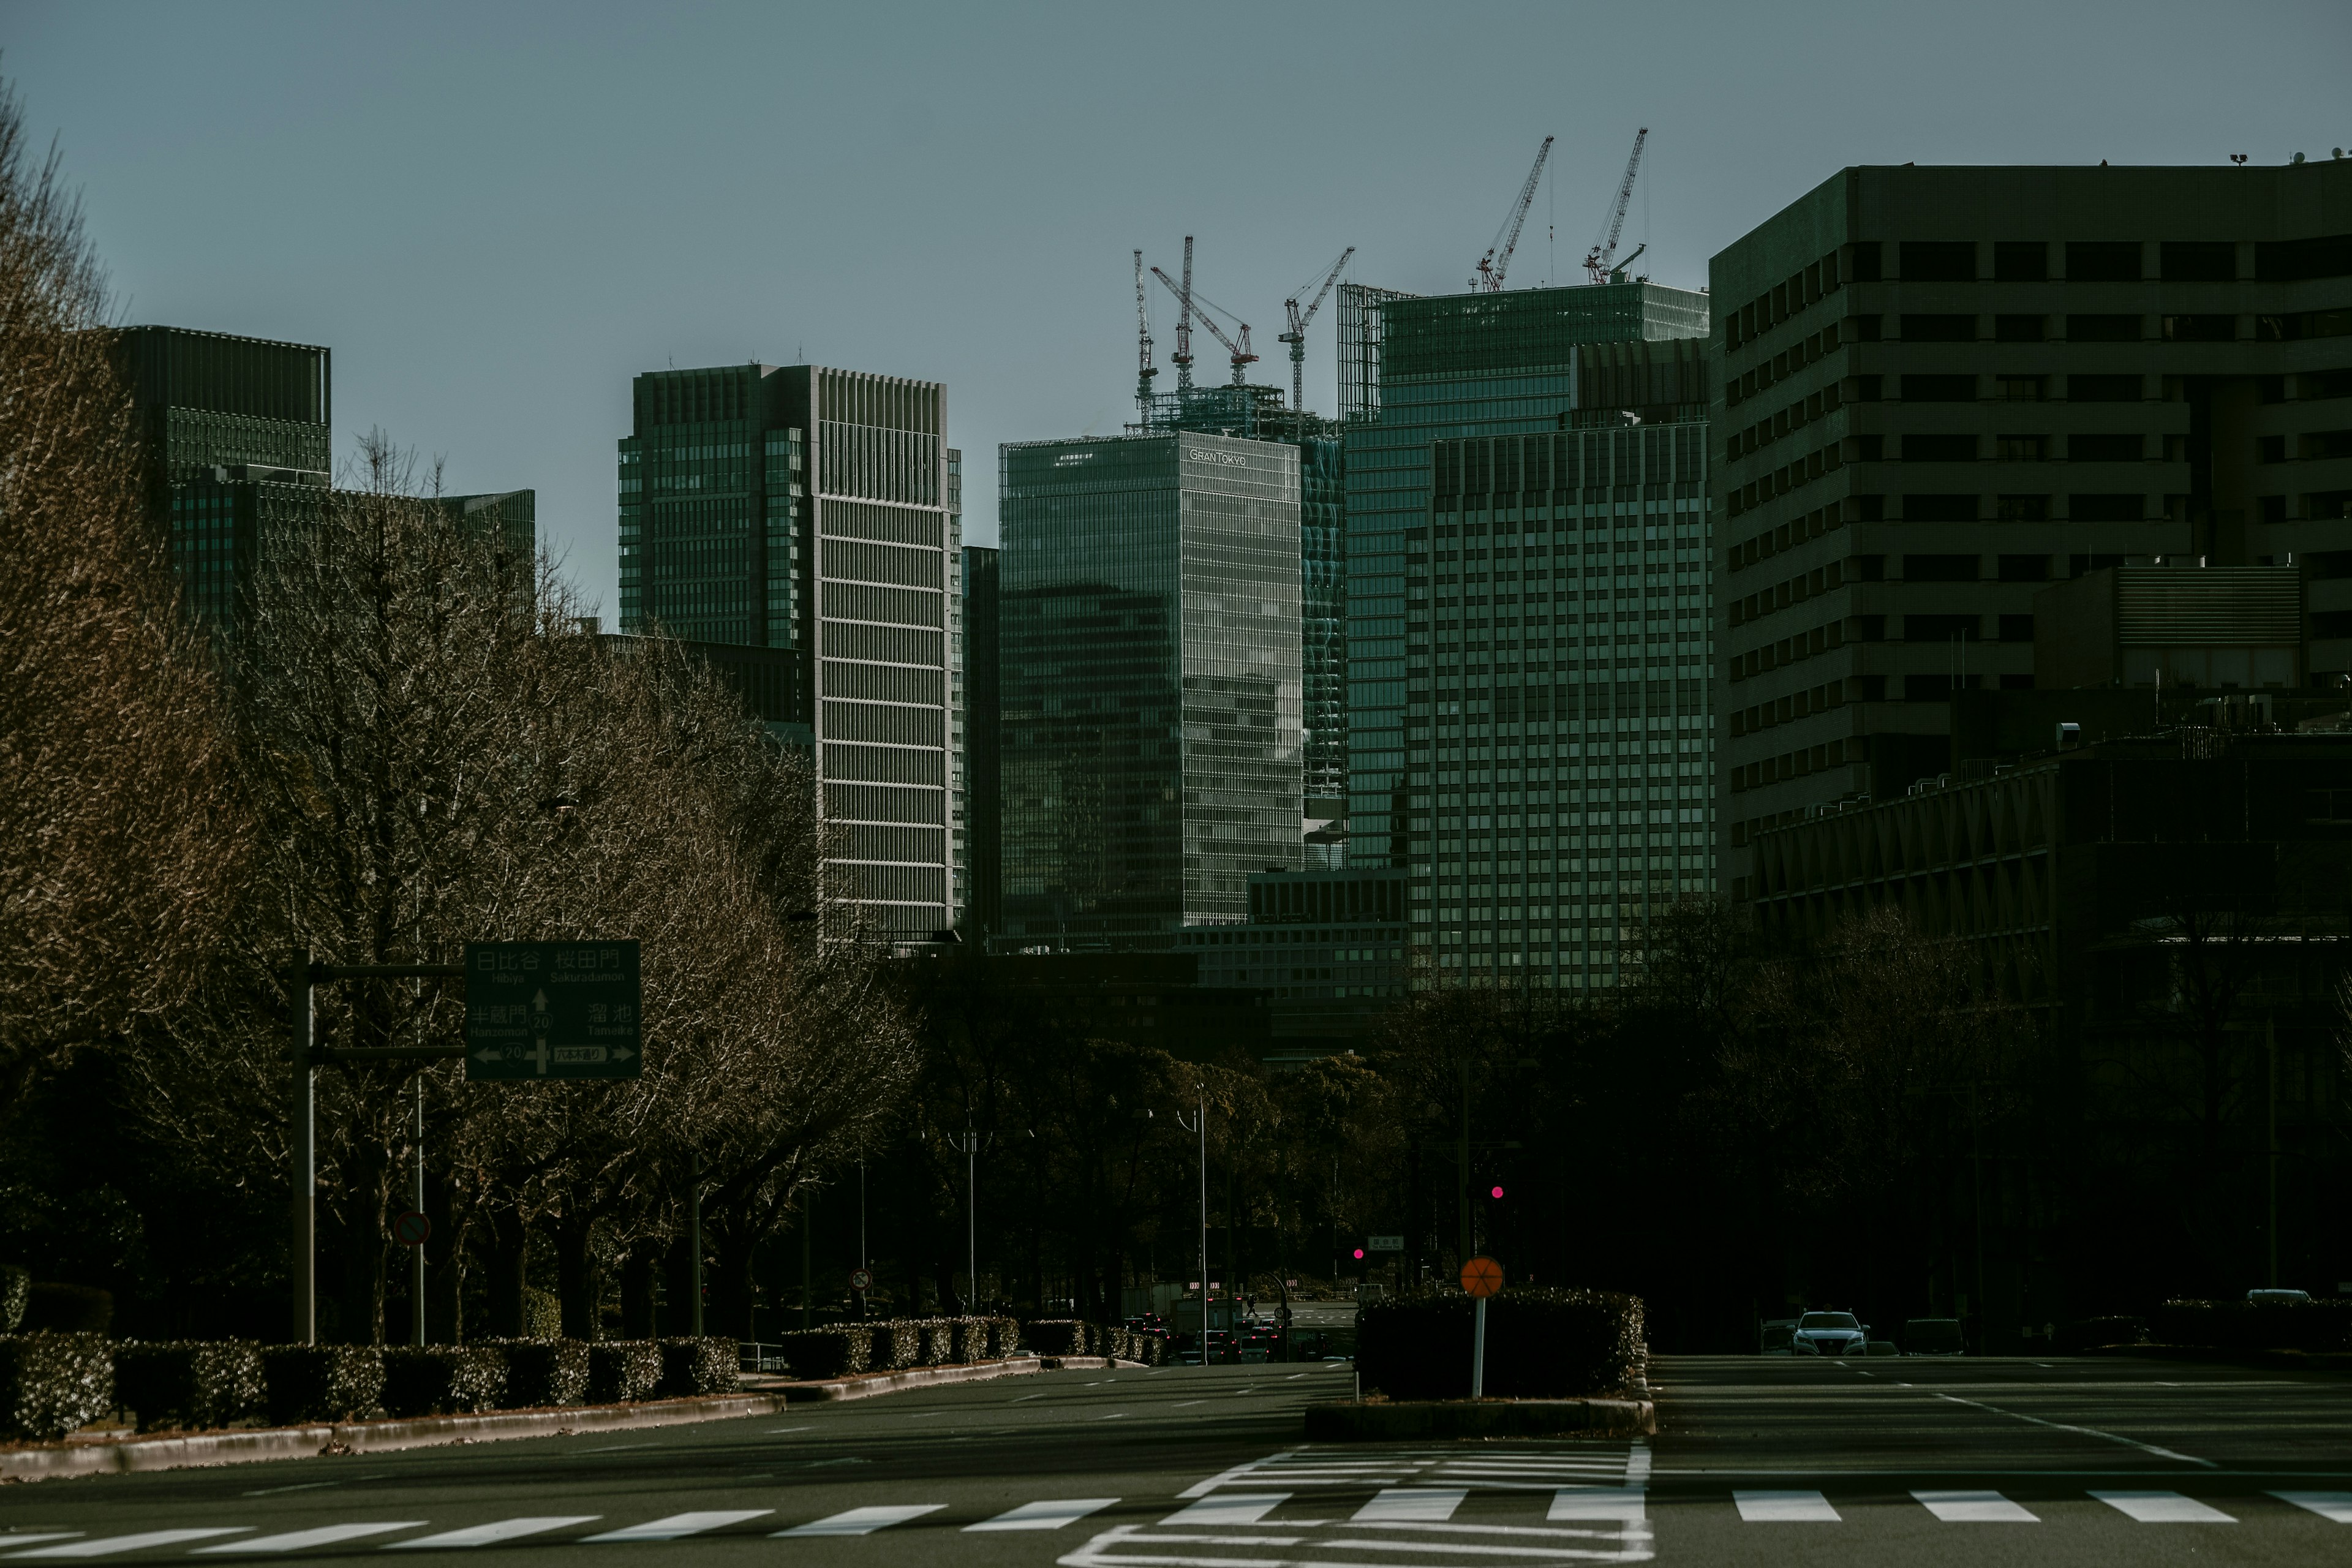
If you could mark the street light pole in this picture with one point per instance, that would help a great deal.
(968, 1145)
(302, 1154)
(419, 1204)
(1200, 1126)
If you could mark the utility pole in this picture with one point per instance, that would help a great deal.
(1199, 1126)
(1461, 1169)
(968, 1145)
(808, 1224)
(302, 1151)
(694, 1240)
(2270, 1038)
(418, 1203)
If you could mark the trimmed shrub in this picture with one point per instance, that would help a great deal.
(2318, 1326)
(709, 1365)
(322, 1382)
(828, 1352)
(1003, 1338)
(2098, 1333)
(1540, 1345)
(970, 1339)
(190, 1383)
(542, 1314)
(906, 1345)
(443, 1380)
(1056, 1336)
(53, 1308)
(15, 1284)
(542, 1373)
(52, 1383)
(620, 1370)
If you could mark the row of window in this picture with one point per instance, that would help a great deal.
(2102, 260)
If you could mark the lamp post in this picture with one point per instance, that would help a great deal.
(1199, 1127)
(968, 1143)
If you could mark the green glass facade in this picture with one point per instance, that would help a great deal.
(1533, 626)
(1150, 612)
(980, 756)
(809, 512)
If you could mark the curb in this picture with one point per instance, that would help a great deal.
(1481, 1418)
(867, 1384)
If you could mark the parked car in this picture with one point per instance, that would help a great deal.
(1829, 1333)
(2276, 1297)
(1772, 1339)
(1932, 1336)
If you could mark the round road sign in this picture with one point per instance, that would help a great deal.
(1482, 1277)
(411, 1229)
(861, 1279)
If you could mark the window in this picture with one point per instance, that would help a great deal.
(2021, 260)
(2292, 261)
(2020, 448)
(2199, 260)
(2104, 448)
(2269, 449)
(1862, 262)
(1939, 509)
(2307, 324)
(1939, 568)
(2325, 384)
(1939, 449)
(1942, 329)
(1938, 260)
(1865, 329)
(1939, 628)
(2317, 445)
(2208, 328)
(2103, 329)
(2077, 566)
(2020, 329)
(1940, 389)
(2105, 508)
(2103, 261)
(2024, 569)
(1866, 568)
(2017, 629)
(2020, 388)
(1870, 628)
(2103, 389)
(1869, 388)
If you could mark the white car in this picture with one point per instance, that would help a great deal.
(1829, 1333)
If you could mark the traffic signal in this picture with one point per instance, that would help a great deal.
(1360, 1255)
(1496, 1194)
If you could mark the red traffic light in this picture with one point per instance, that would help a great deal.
(1359, 1252)
(1496, 1193)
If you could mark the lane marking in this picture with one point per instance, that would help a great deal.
(321, 1535)
(490, 1535)
(2163, 1508)
(780, 1431)
(35, 1537)
(1784, 1508)
(1973, 1508)
(1182, 1403)
(679, 1524)
(2334, 1507)
(144, 1538)
(861, 1520)
(303, 1487)
(1202, 1489)
(1049, 1515)
(1421, 1504)
(1622, 1505)
(1233, 1507)
(2086, 1431)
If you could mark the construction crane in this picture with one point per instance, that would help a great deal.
(1144, 369)
(1498, 259)
(1603, 260)
(1297, 336)
(1195, 304)
(1183, 356)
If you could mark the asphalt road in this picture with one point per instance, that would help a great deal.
(1768, 1461)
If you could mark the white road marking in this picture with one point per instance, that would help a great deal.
(112, 1544)
(491, 1534)
(1621, 1505)
(2334, 1507)
(2087, 1431)
(303, 1487)
(1784, 1508)
(680, 1524)
(1423, 1504)
(11, 1540)
(1051, 1515)
(780, 1431)
(1233, 1507)
(861, 1520)
(321, 1535)
(1202, 1489)
(2163, 1508)
(1182, 1403)
(1973, 1508)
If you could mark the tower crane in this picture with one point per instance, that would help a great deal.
(1198, 305)
(1602, 259)
(1183, 356)
(1144, 369)
(1297, 336)
(1498, 259)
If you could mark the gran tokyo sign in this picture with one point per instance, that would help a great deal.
(1223, 460)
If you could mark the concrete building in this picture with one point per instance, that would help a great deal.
(1150, 660)
(1529, 559)
(1946, 388)
(1328, 950)
(806, 511)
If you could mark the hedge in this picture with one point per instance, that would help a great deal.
(67, 1308)
(622, 1370)
(2098, 1333)
(2323, 1325)
(542, 1314)
(691, 1366)
(15, 1284)
(52, 1383)
(1540, 1345)
(845, 1351)
(322, 1382)
(444, 1380)
(542, 1373)
(1057, 1336)
(190, 1383)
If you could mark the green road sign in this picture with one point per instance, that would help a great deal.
(553, 1009)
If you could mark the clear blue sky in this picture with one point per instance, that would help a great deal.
(495, 214)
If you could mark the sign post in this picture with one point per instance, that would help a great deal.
(1482, 1277)
(538, 1010)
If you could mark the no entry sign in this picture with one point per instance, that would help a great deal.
(412, 1229)
(1482, 1277)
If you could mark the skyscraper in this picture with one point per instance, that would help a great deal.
(805, 510)
(1946, 388)
(1527, 541)
(1151, 665)
(982, 753)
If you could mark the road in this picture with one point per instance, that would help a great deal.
(1765, 1461)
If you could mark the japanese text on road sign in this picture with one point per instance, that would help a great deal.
(553, 1010)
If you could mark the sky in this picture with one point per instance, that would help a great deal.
(495, 214)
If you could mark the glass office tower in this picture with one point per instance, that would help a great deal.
(1149, 613)
(1466, 600)
(807, 513)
